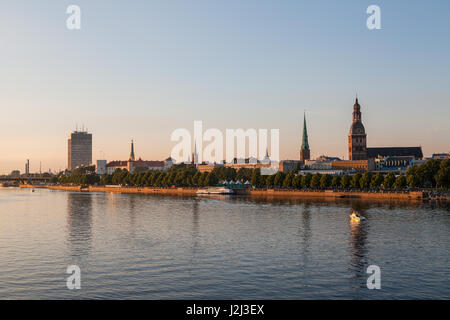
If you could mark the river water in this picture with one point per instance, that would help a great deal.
(165, 247)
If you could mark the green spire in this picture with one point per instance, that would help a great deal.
(132, 151)
(305, 144)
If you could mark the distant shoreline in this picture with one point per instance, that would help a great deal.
(387, 195)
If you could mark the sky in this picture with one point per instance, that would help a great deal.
(141, 69)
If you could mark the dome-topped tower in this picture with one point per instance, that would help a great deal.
(357, 144)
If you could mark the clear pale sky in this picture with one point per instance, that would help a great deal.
(141, 69)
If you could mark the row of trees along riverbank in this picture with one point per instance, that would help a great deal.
(431, 174)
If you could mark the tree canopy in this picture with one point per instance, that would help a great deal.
(432, 173)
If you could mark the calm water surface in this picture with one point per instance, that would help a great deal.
(163, 247)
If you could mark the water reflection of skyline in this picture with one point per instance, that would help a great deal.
(195, 226)
(79, 224)
(306, 225)
(298, 248)
(358, 244)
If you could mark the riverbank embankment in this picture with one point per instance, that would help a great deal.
(387, 195)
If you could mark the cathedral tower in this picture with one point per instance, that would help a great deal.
(357, 145)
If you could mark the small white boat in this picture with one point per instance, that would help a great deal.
(214, 190)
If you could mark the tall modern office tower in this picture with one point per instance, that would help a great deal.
(27, 167)
(80, 149)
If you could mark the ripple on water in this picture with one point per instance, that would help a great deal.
(154, 247)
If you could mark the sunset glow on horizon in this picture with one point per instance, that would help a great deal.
(139, 71)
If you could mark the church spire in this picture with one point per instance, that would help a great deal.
(356, 111)
(305, 144)
(195, 154)
(304, 150)
(132, 151)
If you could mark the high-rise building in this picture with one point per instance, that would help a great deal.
(357, 144)
(79, 149)
(304, 150)
(27, 167)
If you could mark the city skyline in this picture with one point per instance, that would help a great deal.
(227, 158)
(303, 148)
(203, 61)
(121, 153)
